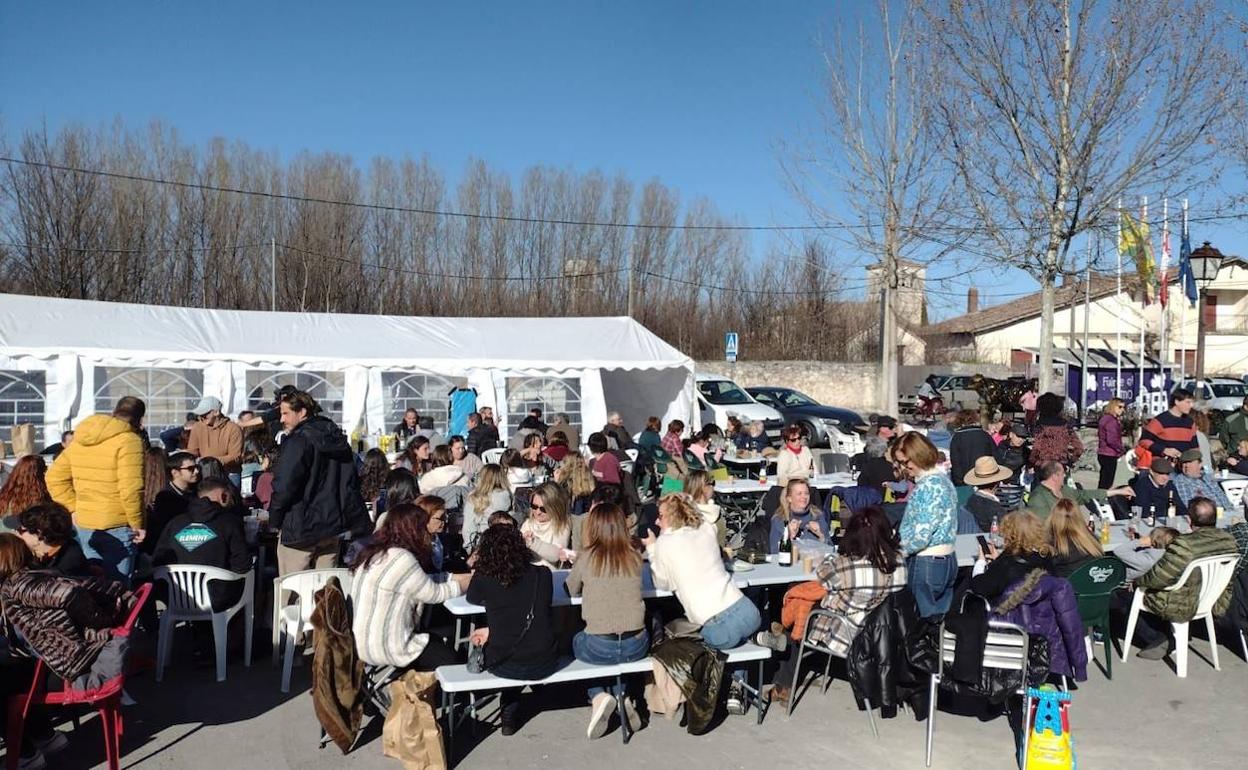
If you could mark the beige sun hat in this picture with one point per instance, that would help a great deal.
(985, 472)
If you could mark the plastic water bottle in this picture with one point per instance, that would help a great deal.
(995, 532)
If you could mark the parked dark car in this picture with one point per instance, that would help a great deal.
(828, 426)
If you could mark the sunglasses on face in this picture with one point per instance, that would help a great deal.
(190, 468)
(541, 508)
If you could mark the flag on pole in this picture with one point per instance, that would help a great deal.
(1133, 243)
(1186, 277)
(1163, 289)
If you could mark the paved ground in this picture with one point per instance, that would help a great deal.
(1145, 718)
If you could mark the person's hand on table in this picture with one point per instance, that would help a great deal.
(462, 579)
(480, 636)
(1123, 491)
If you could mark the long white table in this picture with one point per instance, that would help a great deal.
(751, 486)
(967, 546)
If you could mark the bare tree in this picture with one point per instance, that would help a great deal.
(877, 155)
(1056, 109)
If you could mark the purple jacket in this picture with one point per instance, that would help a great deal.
(1109, 436)
(1044, 604)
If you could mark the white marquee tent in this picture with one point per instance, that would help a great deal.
(61, 360)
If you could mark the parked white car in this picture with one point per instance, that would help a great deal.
(1220, 394)
(720, 398)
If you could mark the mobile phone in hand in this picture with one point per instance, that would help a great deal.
(983, 544)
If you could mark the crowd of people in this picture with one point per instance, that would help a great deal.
(438, 521)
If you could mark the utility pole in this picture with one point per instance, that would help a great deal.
(273, 274)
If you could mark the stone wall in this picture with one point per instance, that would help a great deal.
(847, 385)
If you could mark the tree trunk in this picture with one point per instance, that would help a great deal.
(1047, 296)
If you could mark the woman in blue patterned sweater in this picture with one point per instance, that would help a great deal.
(929, 526)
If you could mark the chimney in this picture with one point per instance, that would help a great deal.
(972, 300)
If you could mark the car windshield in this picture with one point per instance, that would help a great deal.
(793, 398)
(722, 392)
(1229, 389)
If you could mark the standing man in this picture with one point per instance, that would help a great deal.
(99, 478)
(215, 435)
(481, 437)
(1234, 429)
(1172, 432)
(316, 490)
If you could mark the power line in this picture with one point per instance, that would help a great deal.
(450, 276)
(90, 250)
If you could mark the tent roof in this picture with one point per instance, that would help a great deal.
(44, 325)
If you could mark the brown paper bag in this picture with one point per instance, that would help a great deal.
(411, 732)
(23, 438)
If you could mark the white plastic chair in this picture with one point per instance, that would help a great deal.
(188, 600)
(1215, 574)
(1234, 489)
(1005, 648)
(291, 620)
(809, 646)
(492, 456)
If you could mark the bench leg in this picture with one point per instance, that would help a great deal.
(625, 732)
(758, 703)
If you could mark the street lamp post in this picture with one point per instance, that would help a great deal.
(1206, 262)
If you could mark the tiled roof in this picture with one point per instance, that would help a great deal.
(1023, 308)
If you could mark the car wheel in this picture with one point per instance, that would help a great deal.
(817, 437)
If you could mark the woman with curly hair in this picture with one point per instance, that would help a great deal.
(373, 475)
(518, 635)
(25, 486)
(390, 584)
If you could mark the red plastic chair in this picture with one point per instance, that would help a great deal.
(106, 697)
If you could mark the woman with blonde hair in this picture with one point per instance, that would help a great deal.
(795, 512)
(701, 490)
(1073, 545)
(1109, 446)
(1026, 547)
(573, 473)
(685, 558)
(548, 529)
(491, 495)
(607, 575)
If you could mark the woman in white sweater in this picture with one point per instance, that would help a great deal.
(549, 529)
(390, 583)
(794, 460)
(685, 558)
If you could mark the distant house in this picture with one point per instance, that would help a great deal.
(1009, 332)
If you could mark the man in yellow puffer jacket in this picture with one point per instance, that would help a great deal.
(99, 478)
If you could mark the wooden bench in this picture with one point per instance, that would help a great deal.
(454, 680)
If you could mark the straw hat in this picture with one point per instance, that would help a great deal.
(985, 472)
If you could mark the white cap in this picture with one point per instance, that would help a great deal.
(206, 405)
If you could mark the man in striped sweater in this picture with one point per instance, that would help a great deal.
(1172, 432)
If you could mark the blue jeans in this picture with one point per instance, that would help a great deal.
(733, 626)
(931, 580)
(113, 549)
(607, 649)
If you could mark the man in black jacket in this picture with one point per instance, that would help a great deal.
(316, 489)
(481, 436)
(208, 534)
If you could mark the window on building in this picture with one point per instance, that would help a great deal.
(326, 387)
(168, 393)
(550, 394)
(1211, 312)
(428, 394)
(21, 402)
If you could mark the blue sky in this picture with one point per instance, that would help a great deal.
(696, 94)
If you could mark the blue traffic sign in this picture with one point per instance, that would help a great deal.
(730, 346)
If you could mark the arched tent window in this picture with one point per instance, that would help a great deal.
(21, 402)
(168, 393)
(550, 394)
(426, 393)
(325, 387)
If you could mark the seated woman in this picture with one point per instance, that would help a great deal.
(558, 448)
(604, 465)
(373, 472)
(795, 460)
(735, 429)
(576, 478)
(1026, 547)
(651, 437)
(48, 530)
(701, 490)
(400, 487)
(446, 548)
(518, 473)
(716, 441)
(607, 575)
(672, 442)
(535, 459)
(802, 519)
(443, 472)
(491, 494)
(415, 457)
(699, 455)
(1073, 545)
(518, 636)
(548, 529)
(391, 579)
(62, 620)
(754, 439)
(262, 488)
(685, 558)
(867, 568)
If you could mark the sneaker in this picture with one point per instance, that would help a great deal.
(33, 761)
(630, 713)
(736, 698)
(52, 744)
(772, 640)
(600, 715)
(1154, 651)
